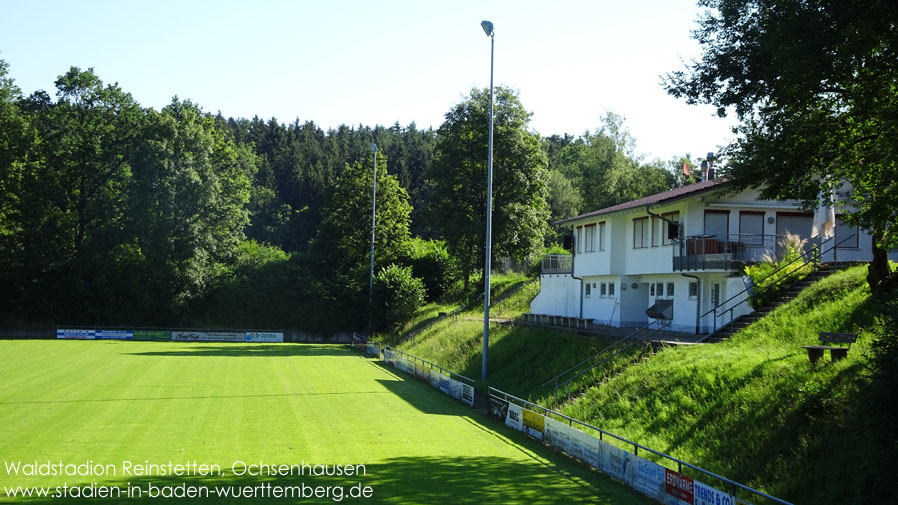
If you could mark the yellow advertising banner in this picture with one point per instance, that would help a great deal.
(534, 424)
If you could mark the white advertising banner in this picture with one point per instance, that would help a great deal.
(435, 378)
(467, 394)
(455, 389)
(584, 447)
(707, 495)
(114, 334)
(515, 417)
(650, 478)
(617, 463)
(264, 336)
(76, 334)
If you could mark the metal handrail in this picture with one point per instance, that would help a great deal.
(816, 255)
(625, 338)
(442, 370)
(493, 392)
(631, 344)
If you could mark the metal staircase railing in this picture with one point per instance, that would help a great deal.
(638, 335)
(812, 257)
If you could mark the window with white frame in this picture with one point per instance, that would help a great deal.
(656, 230)
(611, 288)
(670, 230)
(601, 233)
(670, 289)
(640, 233)
(603, 290)
(589, 231)
(588, 288)
(579, 239)
(693, 290)
(659, 290)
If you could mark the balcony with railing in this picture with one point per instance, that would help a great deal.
(729, 251)
(557, 264)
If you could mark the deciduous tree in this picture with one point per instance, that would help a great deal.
(458, 178)
(815, 86)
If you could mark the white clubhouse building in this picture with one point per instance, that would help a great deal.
(679, 253)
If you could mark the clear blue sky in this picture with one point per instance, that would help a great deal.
(363, 62)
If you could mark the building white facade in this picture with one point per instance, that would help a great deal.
(628, 257)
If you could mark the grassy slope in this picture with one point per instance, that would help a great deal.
(753, 408)
(519, 361)
(217, 403)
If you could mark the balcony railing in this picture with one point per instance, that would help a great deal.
(557, 264)
(727, 251)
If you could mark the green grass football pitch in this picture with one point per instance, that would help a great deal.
(92, 408)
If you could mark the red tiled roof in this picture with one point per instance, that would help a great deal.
(665, 197)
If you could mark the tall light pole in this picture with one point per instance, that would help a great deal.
(488, 29)
(371, 277)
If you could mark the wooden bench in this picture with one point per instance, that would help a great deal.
(836, 353)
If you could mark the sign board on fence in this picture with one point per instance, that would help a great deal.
(422, 372)
(679, 485)
(455, 389)
(584, 447)
(707, 495)
(152, 335)
(616, 463)
(434, 378)
(76, 334)
(114, 334)
(534, 424)
(557, 435)
(650, 478)
(514, 417)
(208, 336)
(467, 394)
(373, 349)
(264, 336)
(498, 408)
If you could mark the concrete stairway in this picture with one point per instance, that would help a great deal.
(785, 296)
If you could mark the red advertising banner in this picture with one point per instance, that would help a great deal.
(679, 485)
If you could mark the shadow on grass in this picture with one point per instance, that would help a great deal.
(484, 480)
(250, 350)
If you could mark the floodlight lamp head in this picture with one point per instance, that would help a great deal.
(373, 147)
(487, 28)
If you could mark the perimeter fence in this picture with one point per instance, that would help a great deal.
(657, 475)
(620, 458)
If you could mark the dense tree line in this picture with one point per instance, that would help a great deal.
(113, 213)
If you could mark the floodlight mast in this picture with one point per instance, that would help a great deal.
(371, 277)
(488, 29)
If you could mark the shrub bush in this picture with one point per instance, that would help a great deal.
(767, 286)
(397, 295)
(430, 261)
